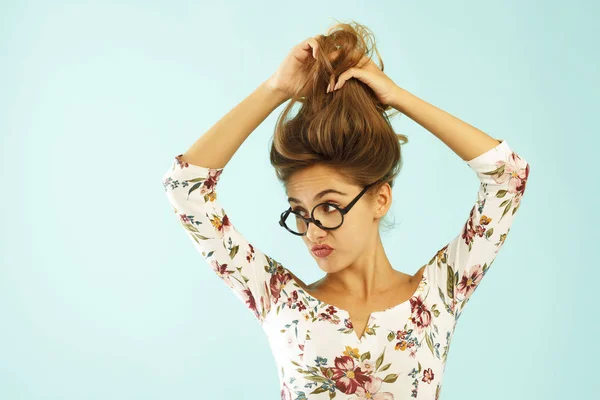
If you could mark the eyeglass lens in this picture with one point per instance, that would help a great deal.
(327, 215)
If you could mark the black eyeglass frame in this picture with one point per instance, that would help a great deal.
(312, 219)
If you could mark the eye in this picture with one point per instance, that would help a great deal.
(330, 209)
(300, 209)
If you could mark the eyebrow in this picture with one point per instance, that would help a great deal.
(318, 195)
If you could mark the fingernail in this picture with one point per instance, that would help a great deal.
(328, 88)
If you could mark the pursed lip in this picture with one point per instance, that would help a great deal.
(321, 247)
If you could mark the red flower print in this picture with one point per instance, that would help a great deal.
(221, 224)
(292, 298)
(278, 280)
(250, 301)
(250, 253)
(468, 230)
(428, 375)
(348, 376)
(402, 334)
(325, 317)
(210, 182)
(420, 316)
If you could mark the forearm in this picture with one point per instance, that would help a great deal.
(465, 140)
(216, 146)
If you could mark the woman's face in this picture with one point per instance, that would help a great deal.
(361, 223)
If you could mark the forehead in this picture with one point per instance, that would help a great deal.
(304, 184)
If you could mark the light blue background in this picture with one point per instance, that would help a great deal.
(102, 296)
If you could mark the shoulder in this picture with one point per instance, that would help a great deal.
(298, 280)
(419, 274)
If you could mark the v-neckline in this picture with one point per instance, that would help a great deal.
(420, 287)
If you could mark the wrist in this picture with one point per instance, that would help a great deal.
(399, 98)
(279, 95)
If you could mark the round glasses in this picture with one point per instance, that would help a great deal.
(326, 216)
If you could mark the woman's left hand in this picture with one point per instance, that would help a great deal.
(368, 72)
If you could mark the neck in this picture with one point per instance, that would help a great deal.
(367, 276)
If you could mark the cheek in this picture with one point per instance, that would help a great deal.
(353, 233)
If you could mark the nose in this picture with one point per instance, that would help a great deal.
(314, 233)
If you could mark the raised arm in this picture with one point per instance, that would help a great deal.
(462, 263)
(190, 185)
(217, 146)
(458, 268)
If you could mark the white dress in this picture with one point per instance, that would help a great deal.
(402, 353)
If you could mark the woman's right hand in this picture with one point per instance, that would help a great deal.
(289, 75)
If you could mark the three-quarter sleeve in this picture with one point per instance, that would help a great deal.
(458, 268)
(255, 278)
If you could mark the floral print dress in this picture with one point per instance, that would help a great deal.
(402, 353)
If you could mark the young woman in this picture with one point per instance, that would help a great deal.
(365, 330)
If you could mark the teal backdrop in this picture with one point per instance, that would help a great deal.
(102, 296)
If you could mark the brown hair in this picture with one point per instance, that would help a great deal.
(349, 129)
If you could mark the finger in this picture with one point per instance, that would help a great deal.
(331, 83)
(311, 45)
(347, 74)
(366, 61)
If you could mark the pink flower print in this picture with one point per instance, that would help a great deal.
(428, 375)
(470, 280)
(221, 271)
(347, 376)
(182, 164)
(286, 394)
(367, 366)
(515, 172)
(370, 390)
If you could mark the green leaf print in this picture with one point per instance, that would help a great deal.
(379, 361)
(233, 251)
(365, 356)
(450, 282)
(385, 367)
(196, 186)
